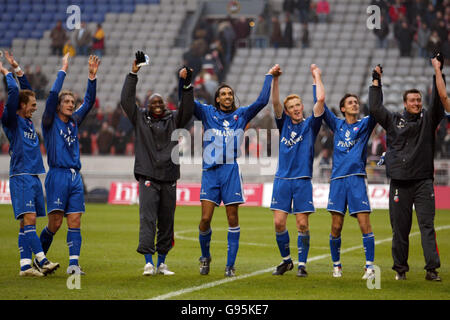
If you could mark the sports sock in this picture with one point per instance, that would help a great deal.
(161, 259)
(233, 245)
(369, 248)
(148, 258)
(303, 248)
(46, 239)
(283, 244)
(25, 252)
(74, 244)
(32, 240)
(205, 240)
(335, 248)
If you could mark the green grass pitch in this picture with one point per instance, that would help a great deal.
(114, 268)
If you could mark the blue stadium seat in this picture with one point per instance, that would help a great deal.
(116, 8)
(23, 34)
(98, 17)
(36, 34)
(129, 8)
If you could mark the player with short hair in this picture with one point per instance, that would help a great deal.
(224, 126)
(348, 186)
(63, 184)
(25, 167)
(292, 187)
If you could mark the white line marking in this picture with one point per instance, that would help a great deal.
(255, 273)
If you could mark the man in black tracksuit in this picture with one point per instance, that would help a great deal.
(409, 164)
(153, 168)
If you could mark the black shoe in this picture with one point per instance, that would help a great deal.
(204, 265)
(432, 275)
(283, 267)
(230, 272)
(400, 276)
(47, 268)
(302, 272)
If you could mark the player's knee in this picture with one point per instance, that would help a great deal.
(303, 227)
(280, 225)
(336, 230)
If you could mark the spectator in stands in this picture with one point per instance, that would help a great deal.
(384, 7)
(434, 43)
(323, 11)
(446, 49)
(98, 41)
(85, 142)
(305, 36)
(38, 82)
(276, 37)
(382, 33)
(260, 33)
(288, 36)
(59, 37)
(105, 138)
(423, 35)
(430, 14)
(303, 7)
(193, 57)
(227, 38)
(405, 36)
(241, 29)
(289, 6)
(83, 38)
(69, 48)
(396, 11)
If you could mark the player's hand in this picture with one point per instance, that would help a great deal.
(10, 58)
(276, 71)
(94, 63)
(315, 71)
(3, 69)
(438, 61)
(186, 74)
(65, 62)
(377, 73)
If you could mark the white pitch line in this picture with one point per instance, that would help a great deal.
(255, 273)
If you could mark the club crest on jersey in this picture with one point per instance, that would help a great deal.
(235, 117)
(356, 129)
(147, 183)
(401, 124)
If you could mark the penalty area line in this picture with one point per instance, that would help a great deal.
(258, 272)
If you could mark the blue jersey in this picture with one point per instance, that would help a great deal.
(296, 151)
(61, 138)
(350, 144)
(224, 132)
(24, 146)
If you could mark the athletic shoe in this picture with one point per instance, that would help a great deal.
(283, 267)
(400, 276)
(230, 272)
(302, 272)
(337, 272)
(75, 269)
(432, 275)
(163, 269)
(204, 265)
(31, 272)
(47, 268)
(149, 270)
(369, 273)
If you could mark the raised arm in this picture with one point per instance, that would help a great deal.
(277, 106)
(376, 107)
(91, 90)
(128, 94)
(23, 81)
(12, 104)
(187, 104)
(52, 100)
(440, 82)
(319, 106)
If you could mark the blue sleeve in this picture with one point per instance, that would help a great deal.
(52, 101)
(24, 84)
(12, 104)
(252, 110)
(199, 110)
(316, 123)
(88, 103)
(280, 122)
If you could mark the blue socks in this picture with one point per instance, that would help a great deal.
(369, 248)
(205, 240)
(335, 248)
(161, 259)
(303, 248)
(233, 245)
(46, 239)
(148, 258)
(32, 241)
(283, 244)
(25, 251)
(74, 244)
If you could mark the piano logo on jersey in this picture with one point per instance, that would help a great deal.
(67, 136)
(348, 143)
(293, 140)
(29, 135)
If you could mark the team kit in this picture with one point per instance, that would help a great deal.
(221, 179)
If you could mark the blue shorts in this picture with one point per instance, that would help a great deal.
(65, 192)
(26, 195)
(349, 192)
(292, 196)
(223, 183)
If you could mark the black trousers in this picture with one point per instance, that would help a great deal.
(402, 196)
(157, 202)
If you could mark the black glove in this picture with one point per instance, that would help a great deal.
(376, 75)
(440, 58)
(140, 57)
(187, 81)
